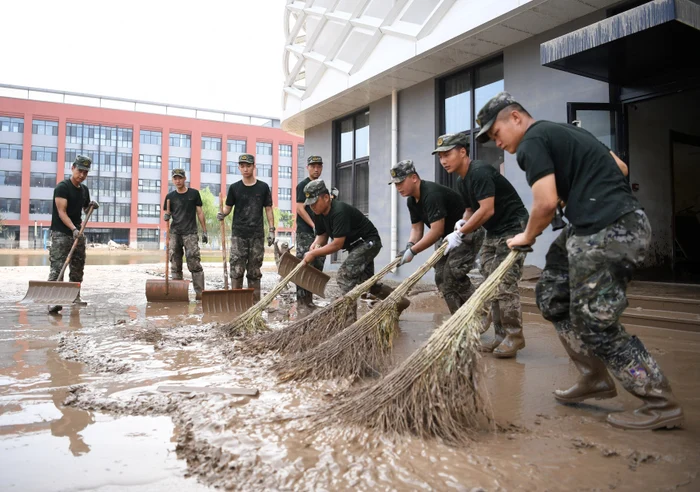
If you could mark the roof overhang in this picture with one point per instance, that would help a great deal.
(654, 43)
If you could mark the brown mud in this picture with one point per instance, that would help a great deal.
(80, 390)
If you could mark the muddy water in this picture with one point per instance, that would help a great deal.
(97, 257)
(109, 358)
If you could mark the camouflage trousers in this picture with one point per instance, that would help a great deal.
(304, 240)
(247, 255)
(505, 307)
(582, 291)
(187, 244)
(60, 247)
(452, 271)
(359, 266)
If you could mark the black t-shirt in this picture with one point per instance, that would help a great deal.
(78, 199)
(484, 181)
(436, 202)
(183, 208)
(346, 221)
(588, 179)
(249, 203)
(302, 226)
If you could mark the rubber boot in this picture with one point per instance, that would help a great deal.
(236, 283)
(198, 284)
(255, 285)
(382, 291)
(660, 409)
(55, 309)
(594, 382)
(307, 299)
(78, 301)
(510, 345)
(499, 336)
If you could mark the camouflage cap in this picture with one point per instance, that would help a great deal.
(401, 171)
(449, 141)
(314, 159)
(487, 115)
(82, 162)
(246, 159)
(313, 190)
(179, 172)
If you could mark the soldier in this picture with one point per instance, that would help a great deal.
(582, 288)
(185, 209)
(70, 197)
(492, 203)
(439, 208)
(305, 225)
(250, 197)
(351, 231)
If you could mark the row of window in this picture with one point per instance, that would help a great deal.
(42, 127)
(211, 143)
(111, 136)
(102, 187)
(44, 154)
(147, 235)
(103, 162)
(36, 180)
(9, 124)
(11, 151)
(149, 185)
(284, 193)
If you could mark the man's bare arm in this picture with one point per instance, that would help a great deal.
(301, 211)
(623, 167)
(202, 219)
(62, 207)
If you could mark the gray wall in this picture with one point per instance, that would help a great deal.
(379, 165)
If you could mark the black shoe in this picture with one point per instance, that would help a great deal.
(55, 309)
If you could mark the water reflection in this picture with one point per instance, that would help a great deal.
(30, 258)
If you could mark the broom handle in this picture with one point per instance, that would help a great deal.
(364, 286)
(167, 247)
(75, 244)
(223, 240)
(407, 284)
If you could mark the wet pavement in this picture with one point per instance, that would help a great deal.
(80, 407)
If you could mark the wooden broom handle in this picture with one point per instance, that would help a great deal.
(75, 243)
(223, 240)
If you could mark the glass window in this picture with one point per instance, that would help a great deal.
(232, 168)
(44, 154)
(285, 150)
(352, 161)
(9, 205)
(13, 125)
(122, 187)
(265, 170)
(147, 235)
(211, 143)
(42, 127)
(301, 153)
(179, 163)
(284, 193)
(285, 172)
(148, 210)
(180, 140)
(42, 180)
(211, 166)
(457, 103)
(149, 161)
(14, 178)
(362, 135)
(11, 151)
(125, 137)
(263, 148)
(346, 138)
(237, 146)
(214, 188)
(149, 185)
(124, 163)
(151, 137)
(40, 206)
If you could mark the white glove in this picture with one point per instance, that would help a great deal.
(453, 239)
(407, 256)
(459, 224)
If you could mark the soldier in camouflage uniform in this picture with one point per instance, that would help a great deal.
(70, 198)
(305, 225)
(491, 204)
(351, 231)
(582, 288)
(251, 199)
(185, 209)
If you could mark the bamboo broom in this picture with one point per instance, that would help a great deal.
(360, 349)
(319, 326)
(438, 390)
(251, 321)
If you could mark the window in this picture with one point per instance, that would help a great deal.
(148, 210)
(41, 180)
(210, 166)
(285, 150)
(123, 163)
(40, 206)
(71, 154)
(263, 148)
(74, 133)
(9, 205)
(285, 172)
(106, 162)
(11, 151)
(179, 163)
(180, 140)
(149, 161)
(232, 168)
(215, 188)
(265, 170)
(462, 96)
(44, 154)
(113, 212)
(237, 146)
(13, 178)
(9, 124)
(41, 127)
(301, 153)
(149, 185)
(284, 193)
(151, 137)
(352, 160)
(147, 235)
(108, 136)
(125, 137)
(211, 143)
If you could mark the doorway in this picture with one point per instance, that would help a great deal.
(685, 168)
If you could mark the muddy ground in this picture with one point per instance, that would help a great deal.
(80, 407)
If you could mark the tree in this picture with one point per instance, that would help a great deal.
(2, 222)
(286, 219)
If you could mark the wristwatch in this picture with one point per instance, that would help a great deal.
(272, 229)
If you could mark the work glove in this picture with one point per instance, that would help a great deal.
(271, 237)
(454, 239)
(220, 216)
(335, 193)
(76, 234)
(205, 238)
(407, 256)
(94, 205)
(166, 216)
(459, 224)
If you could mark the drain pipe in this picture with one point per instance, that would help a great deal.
(394, 160)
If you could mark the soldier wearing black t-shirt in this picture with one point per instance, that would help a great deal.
(70, 198)
(491, 203)
(305, 224)
(251, 198)
(351, 231)
(185, 209)
(439, 208)
(582, 288)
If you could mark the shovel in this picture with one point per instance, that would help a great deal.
(167, 290)
(307, 278)
(57, 292)
(226, 301)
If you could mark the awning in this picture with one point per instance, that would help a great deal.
(654, 43)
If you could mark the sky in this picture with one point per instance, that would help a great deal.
(214, 54)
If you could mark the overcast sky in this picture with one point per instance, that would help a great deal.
(219, 54)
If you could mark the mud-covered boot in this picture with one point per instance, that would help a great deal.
(660, 409)
(594, 382)
(499, 336)
(255, 285)
(510, 345)
(78, 301)
(198, 284)
(236, 283)
(306, 299)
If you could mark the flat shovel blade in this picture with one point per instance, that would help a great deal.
(178, 291)
(307, 278)
(54, 293)
(227, 301)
